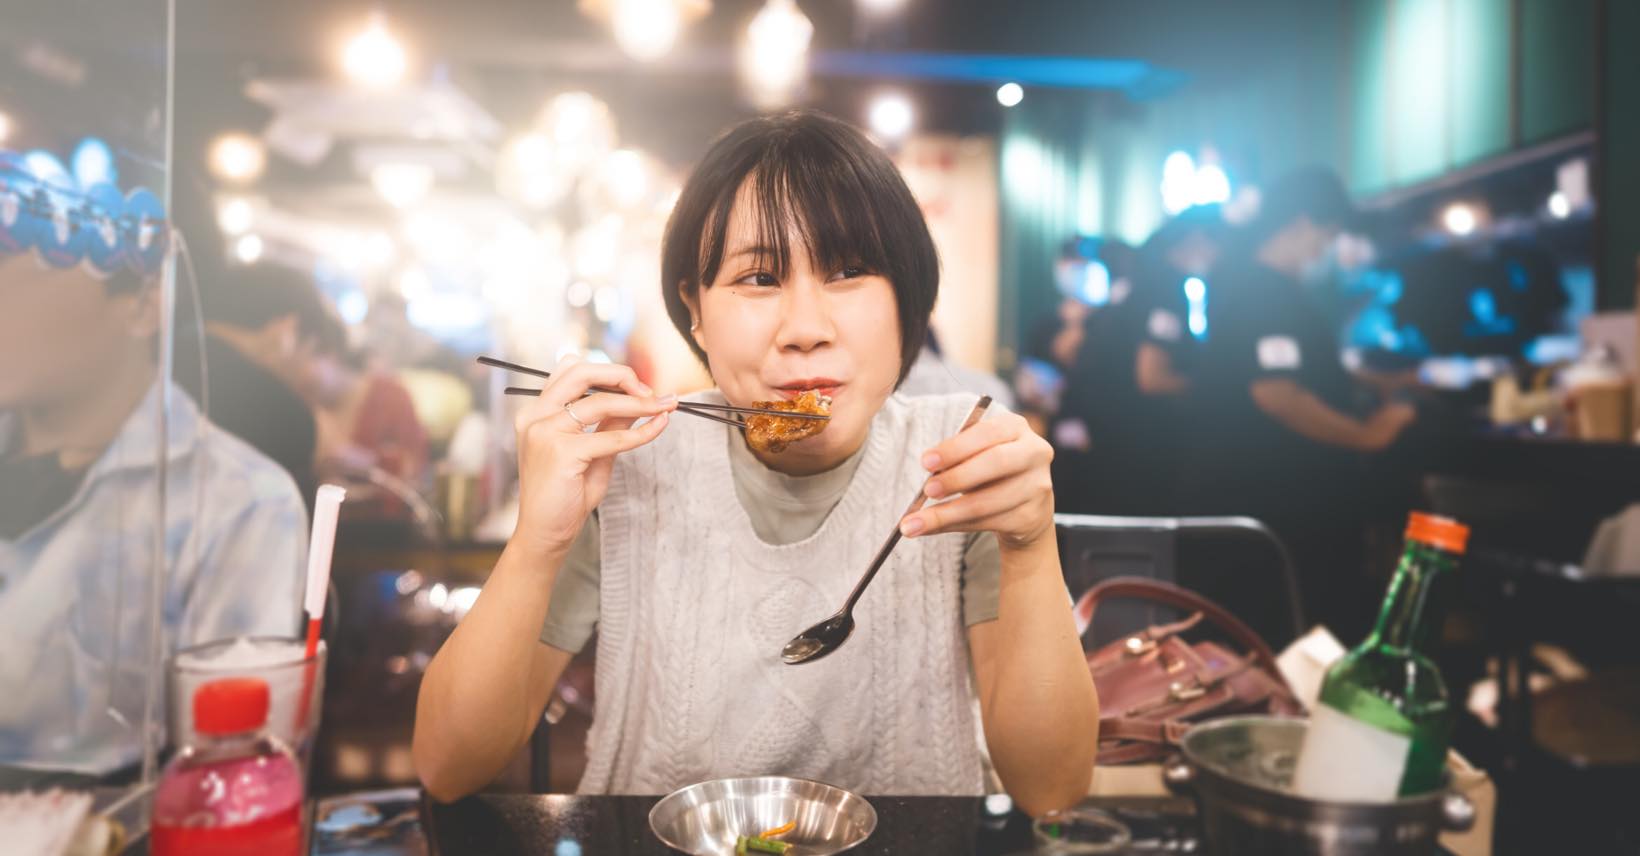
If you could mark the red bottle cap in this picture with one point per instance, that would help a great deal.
(1442, 533)
(231, 706)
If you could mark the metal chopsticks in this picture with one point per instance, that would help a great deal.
(692, 407)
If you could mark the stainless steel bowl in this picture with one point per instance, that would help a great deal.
(1239, 769)
(705, 819)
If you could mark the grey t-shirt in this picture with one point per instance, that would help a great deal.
(783, 510)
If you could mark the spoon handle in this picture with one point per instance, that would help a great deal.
(916, 505)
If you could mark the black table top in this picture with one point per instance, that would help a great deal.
(505, 824)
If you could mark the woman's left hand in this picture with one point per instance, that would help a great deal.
(1000, 468)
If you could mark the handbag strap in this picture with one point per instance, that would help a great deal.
(1169, 594)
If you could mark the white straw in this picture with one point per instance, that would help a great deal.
(320, 546)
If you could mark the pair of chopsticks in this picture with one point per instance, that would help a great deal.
(693, 408)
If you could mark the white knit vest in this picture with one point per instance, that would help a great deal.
(695, 608)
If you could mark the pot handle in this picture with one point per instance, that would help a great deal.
(1179, 775)
(1457, 812)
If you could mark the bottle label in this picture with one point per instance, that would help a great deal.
(1347, 760)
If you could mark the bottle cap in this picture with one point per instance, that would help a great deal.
(231, 706)
(1443, 533)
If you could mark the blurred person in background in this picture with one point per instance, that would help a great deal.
(262, 324)
(1125, 400)
(80, 407)
(1049, 350)
(1285, 423)
(237, 349)
(368, 425)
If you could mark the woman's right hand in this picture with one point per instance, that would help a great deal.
(563, 468)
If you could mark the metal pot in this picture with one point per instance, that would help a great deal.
(1238, 768)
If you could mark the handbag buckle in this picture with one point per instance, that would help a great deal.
(1138, 646)
(1179, 691)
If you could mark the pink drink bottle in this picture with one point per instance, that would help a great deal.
(238, 790)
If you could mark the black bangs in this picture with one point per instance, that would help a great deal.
(817, 177)
(807, 186)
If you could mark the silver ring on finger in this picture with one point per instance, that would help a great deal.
(569, 407)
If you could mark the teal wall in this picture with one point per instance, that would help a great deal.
(1617, 170)
(1557, 75)
(1440, 84)
(1478, 38)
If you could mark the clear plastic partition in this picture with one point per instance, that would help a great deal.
(89, 436)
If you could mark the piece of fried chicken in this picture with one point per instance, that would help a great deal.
(773, 434)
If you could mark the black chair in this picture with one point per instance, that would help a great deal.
(1235, 561)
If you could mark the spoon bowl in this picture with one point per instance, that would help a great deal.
(819, 640)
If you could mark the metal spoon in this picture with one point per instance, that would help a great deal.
(829, 635)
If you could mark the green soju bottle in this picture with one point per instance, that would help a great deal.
(1380, 728)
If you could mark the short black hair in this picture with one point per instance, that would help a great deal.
(838, 188)
(1312, 191)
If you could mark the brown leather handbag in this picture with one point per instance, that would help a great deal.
(1153, 685)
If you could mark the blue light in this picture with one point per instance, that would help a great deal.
(1195, 293)
(1518, 280)
(93, 162)
(567, 847)
(1067, 71)
(1483, 305)
(1095, 290)
(1390, 291)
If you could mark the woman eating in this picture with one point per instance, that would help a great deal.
(795, 261)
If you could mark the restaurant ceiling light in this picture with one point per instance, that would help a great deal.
(881, 7)
(248, 249)
(238, 158)
(402, 184)
(1560, 207)
(375, 57)
(646, 29)
(581, 129)
(1460, 219)
(1009, 94)
(774, 58)
(236, 216)
(891, 115)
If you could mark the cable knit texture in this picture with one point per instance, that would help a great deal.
(695, 609)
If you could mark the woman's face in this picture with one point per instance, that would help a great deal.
(769, 337)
